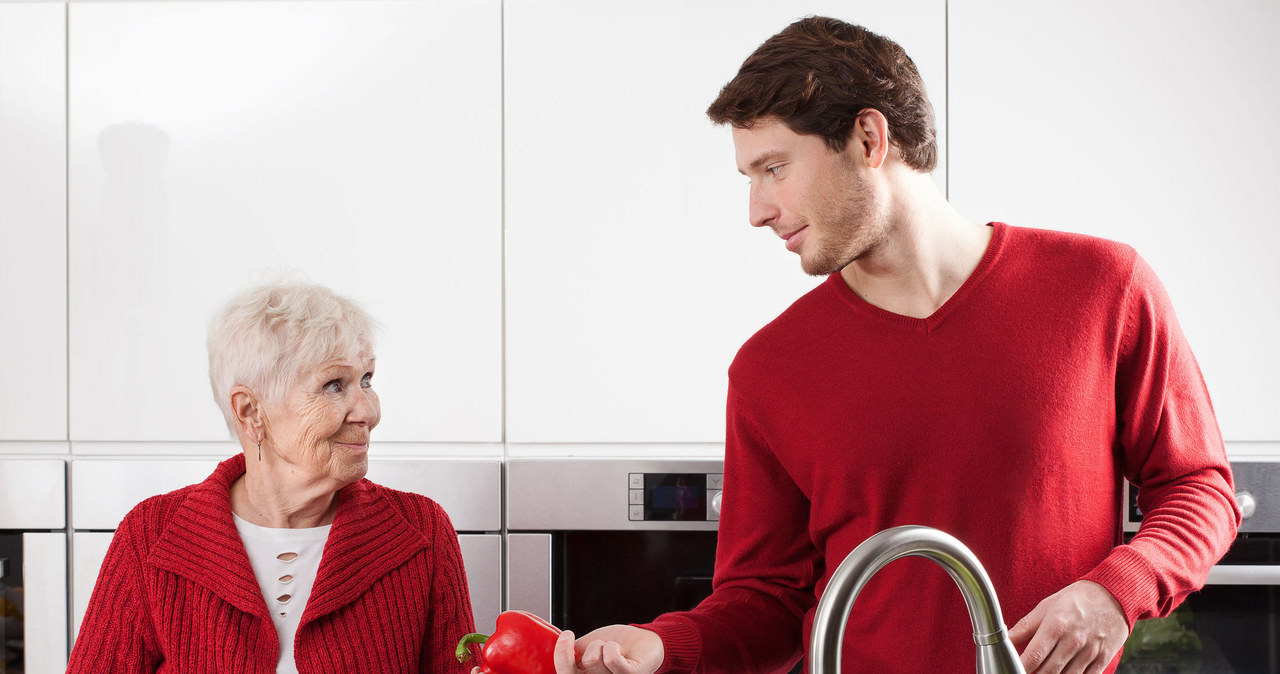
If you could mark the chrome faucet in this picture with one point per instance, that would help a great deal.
(995, 652)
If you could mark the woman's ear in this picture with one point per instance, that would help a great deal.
(869, 139)
(247, 409)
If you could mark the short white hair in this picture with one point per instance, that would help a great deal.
(267, 336)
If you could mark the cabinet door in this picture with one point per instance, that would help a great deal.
(356, 142)
(33, 223)
(632, 274)
(482, 556)
(1148, 122)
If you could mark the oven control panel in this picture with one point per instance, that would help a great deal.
(1257, 493)
(674, 497)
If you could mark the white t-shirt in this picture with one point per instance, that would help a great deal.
(285, 562)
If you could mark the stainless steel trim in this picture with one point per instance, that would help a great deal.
(588, 494)
(44, 582)
(33, 494)
(482, 555)
(1232, 574)
(529, 573)
(469, 490)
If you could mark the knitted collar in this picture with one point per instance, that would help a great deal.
(369, 539)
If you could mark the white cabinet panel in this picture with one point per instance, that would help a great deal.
(33, 226)
(44, 569)
(358, 142)
(88, 549)
(482, 556)
(33, 494)
(632, 274)
(104, 491)
(469, 491)
(1149, 122)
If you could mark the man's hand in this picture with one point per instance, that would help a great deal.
(619, 649)
(1078, 630)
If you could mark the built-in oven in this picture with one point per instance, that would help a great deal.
(593, 542)
(33, 566)
(1233, 624)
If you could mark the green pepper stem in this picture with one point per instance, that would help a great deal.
(463, 653)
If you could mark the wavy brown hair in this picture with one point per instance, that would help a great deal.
(818, 74)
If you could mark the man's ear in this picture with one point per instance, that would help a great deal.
(869, 138)
(247, 409)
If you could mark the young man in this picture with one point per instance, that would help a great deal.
(994, 382)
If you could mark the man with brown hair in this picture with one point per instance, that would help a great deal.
(995, 382)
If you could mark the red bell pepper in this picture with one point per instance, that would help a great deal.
(523, 643)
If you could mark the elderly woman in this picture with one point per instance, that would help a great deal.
(285, 559)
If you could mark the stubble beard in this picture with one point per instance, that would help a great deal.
(855, 228)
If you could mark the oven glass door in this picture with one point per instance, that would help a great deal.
(618, 577)
(1224, 628)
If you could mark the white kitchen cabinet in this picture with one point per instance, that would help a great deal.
(1152, 123)
(632, 274)
(33, 226)
(357, 142)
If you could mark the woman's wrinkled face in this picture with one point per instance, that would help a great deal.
(321, 428)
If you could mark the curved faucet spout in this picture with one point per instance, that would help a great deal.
(995, 652)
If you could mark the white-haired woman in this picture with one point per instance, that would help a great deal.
(285, 558)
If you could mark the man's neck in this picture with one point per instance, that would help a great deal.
(928, 252)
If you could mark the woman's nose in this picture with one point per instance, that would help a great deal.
(367, 409)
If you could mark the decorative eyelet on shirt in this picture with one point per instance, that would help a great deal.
(286, 578)
(287, 556)
(284, 598)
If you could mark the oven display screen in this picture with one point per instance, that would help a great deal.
(675, 496)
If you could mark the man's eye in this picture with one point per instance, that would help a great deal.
(774, 170)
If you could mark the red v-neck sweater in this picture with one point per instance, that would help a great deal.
(1008, 419)
(177, 594)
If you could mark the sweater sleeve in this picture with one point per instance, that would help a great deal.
(451, 617)
(766, 567)
(1173, 452)
(116, 634)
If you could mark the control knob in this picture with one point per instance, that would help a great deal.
(1248, 504)
(715, 502)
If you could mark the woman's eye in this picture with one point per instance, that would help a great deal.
(334, 386)
(367, 380)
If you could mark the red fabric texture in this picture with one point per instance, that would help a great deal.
(1008, 419)
(176, 592)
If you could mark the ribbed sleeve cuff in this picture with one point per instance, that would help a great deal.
(681, 644)
(1131, 579)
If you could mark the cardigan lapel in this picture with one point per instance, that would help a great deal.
(369, 539)
(202, 545)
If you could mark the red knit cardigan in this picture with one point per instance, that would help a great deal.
(176, 592)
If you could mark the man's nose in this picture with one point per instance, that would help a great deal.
(761, 210)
